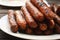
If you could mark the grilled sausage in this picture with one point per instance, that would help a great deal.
(11, 18)
(51, 24)
(54, 7)
(43, 26)
(49, 14)
(37, 31)
(43, 8)
(57, 27)
(58, 11)
(20, 20)
(48, 32)
(29, 18)
(34, 12)
(29, 31)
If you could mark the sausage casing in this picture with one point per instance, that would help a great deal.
(20, 20)
(11, 18)
(29, 18)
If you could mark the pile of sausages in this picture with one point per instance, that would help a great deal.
(35, 18)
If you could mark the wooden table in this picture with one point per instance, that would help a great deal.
(4, 36)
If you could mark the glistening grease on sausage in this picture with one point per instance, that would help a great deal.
(34, 12)
(31, 22)
(43, 26)
(20, 20)
(51, 24)
(11, 18)
(49, 14)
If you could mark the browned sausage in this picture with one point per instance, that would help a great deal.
(57, 19)
(43, 26)
(11, 18)
(29, 18)
(58, 11)
(51, 24)
(34, 12)
(20, 20)
(37, 31)
(54, 7)
(46, 10)
(57, 27)
(29, 31)
(48, 32)
(42, 7)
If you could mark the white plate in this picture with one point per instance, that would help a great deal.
(13, 3)
(4, 26)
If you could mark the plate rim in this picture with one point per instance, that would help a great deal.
(9, 5)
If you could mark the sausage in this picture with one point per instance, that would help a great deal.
(37, 31)
(43, 26)
(58, 11)
(49, 14)
(57, 19)
(48, 32)
(31, 22)
(29, 31)
(43, 8)
(12, 21)
(20, 19)
(57, 28)
(51, 24)
(34, 12)
(54, 7)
